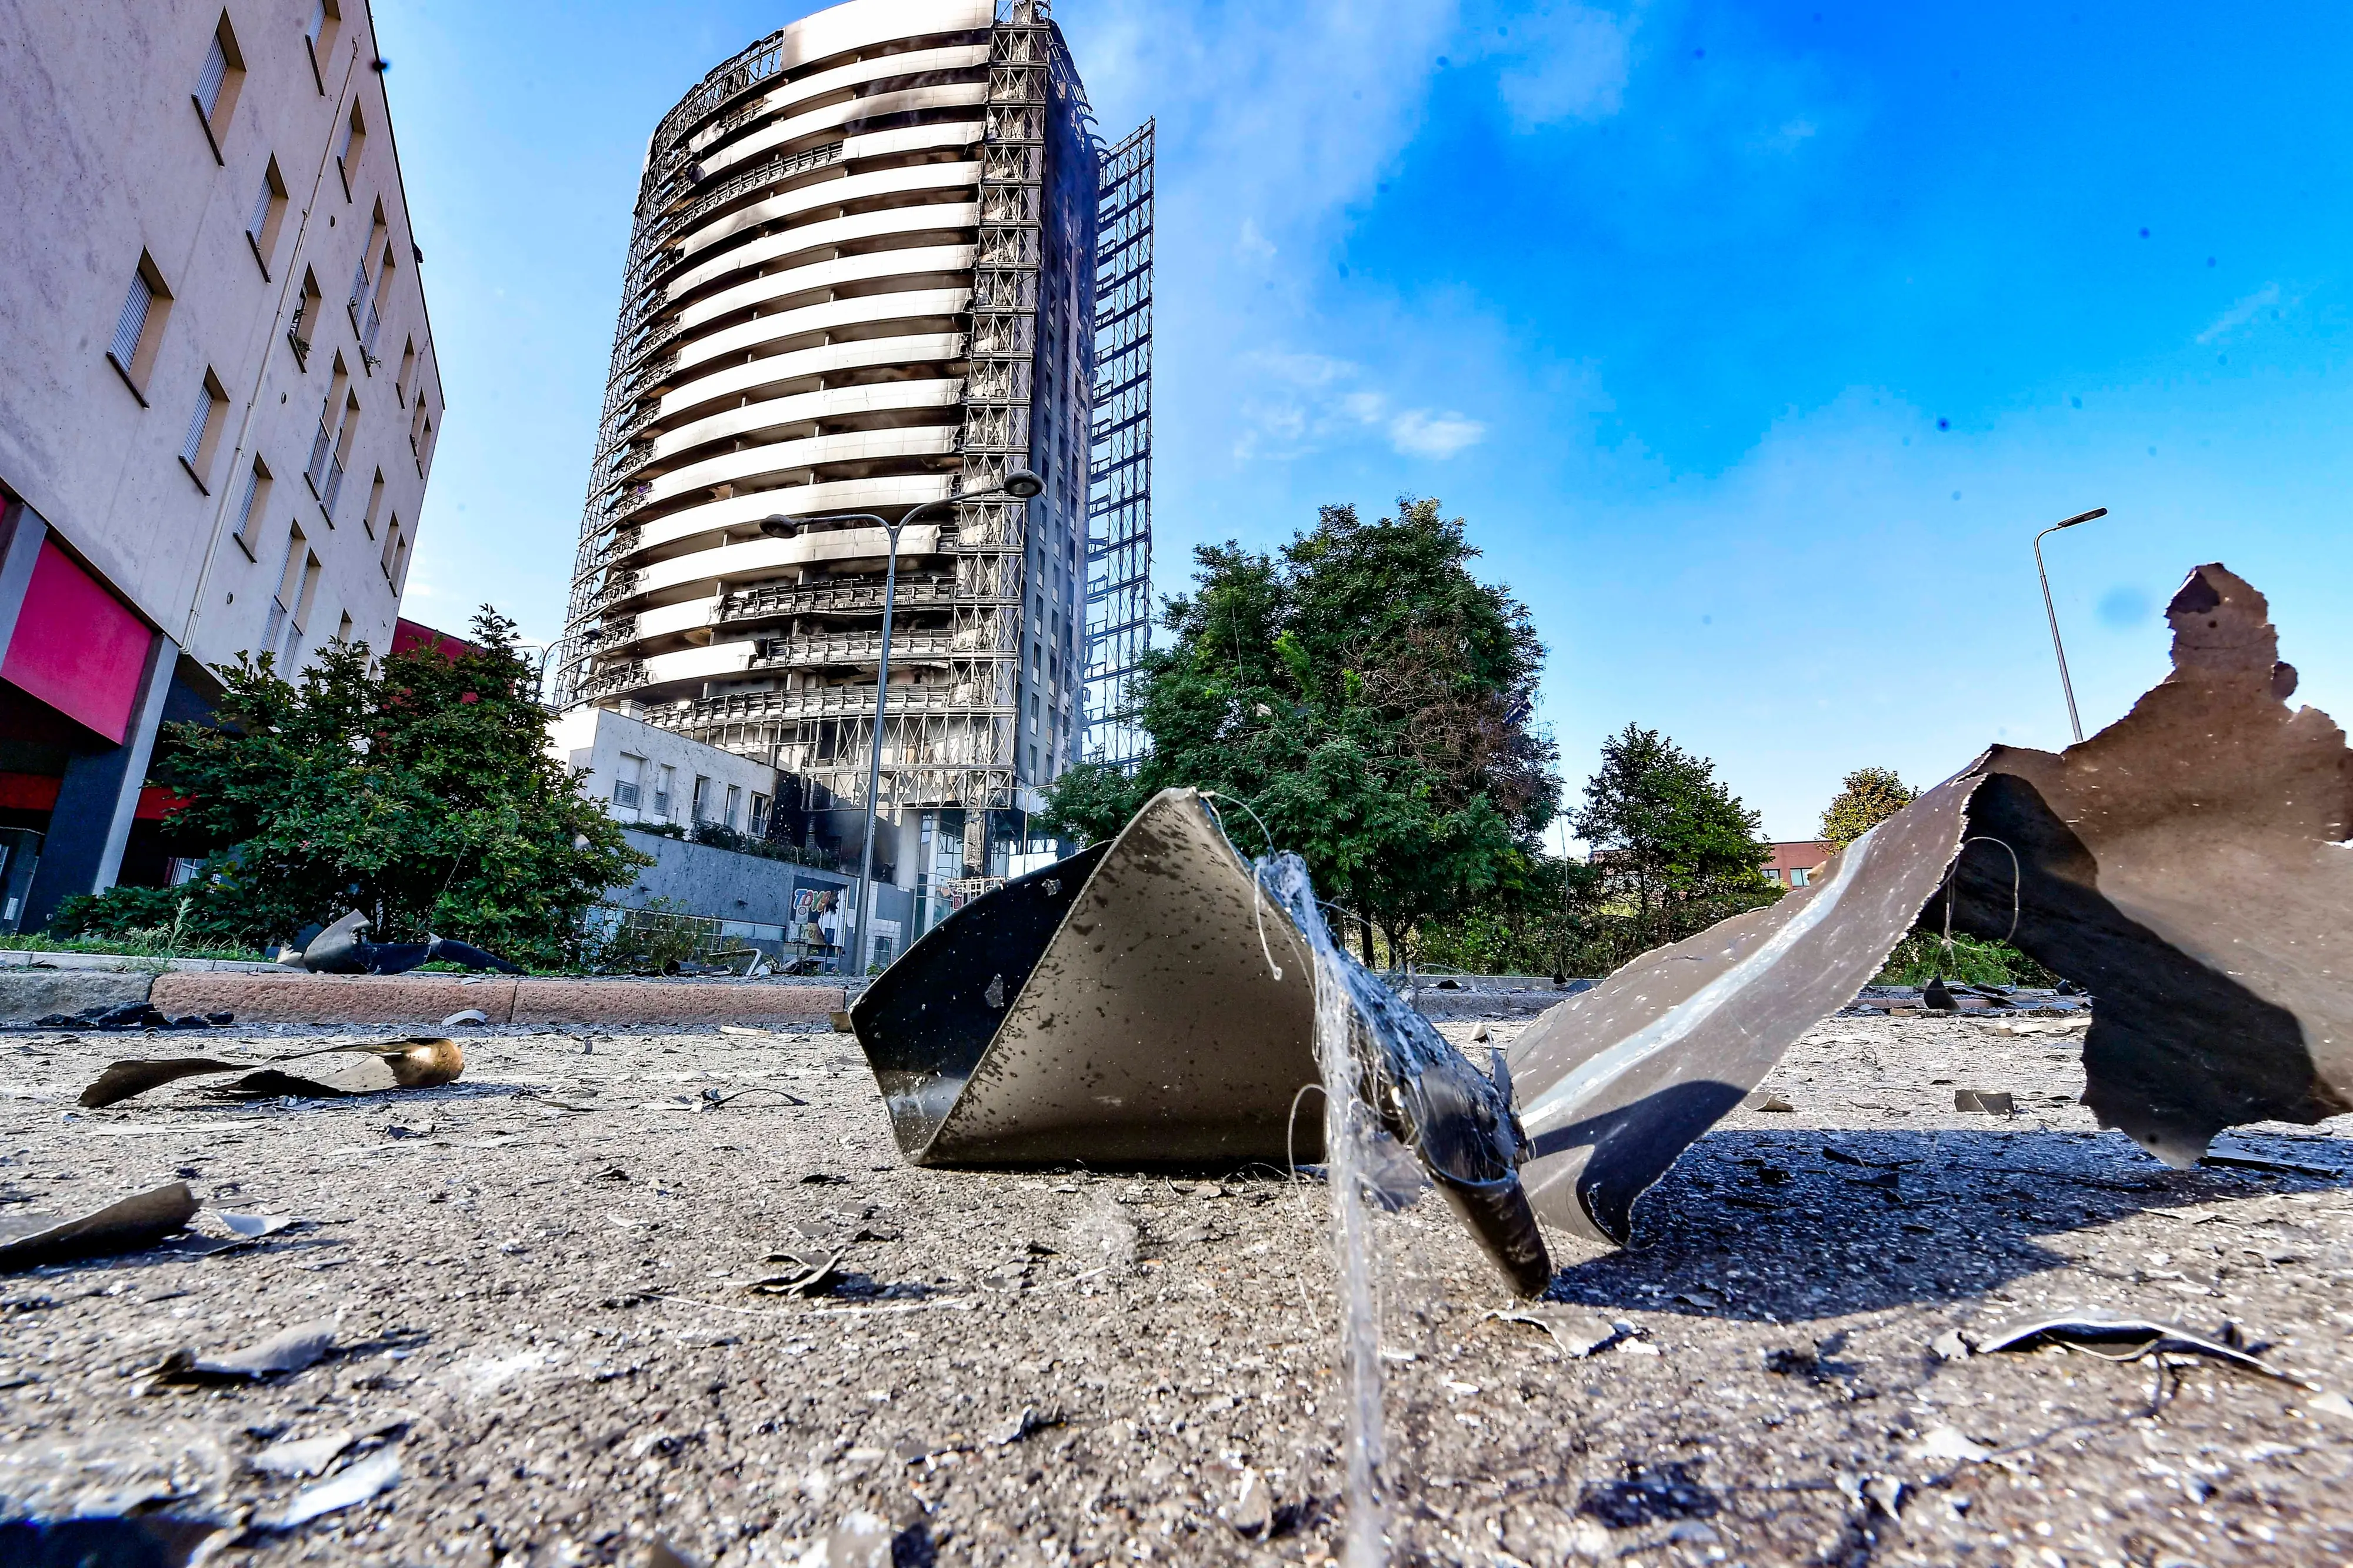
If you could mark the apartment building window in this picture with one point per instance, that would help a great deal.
(407, 369)
(320, 36)
(367, 308)
(307, 591)
(139, 327)
(628, 781)
(269, 214)
(204, 430)
(218, 81)
(343, 627)
(281, 600)
(375, 505)
(345, 433)
(399, 563)
(256, 499)
(1800, 876)
(734, 818)
(759, 816)
(347, 149)
(306, 320)
(698, 804)
(663, 792)
(323, 439)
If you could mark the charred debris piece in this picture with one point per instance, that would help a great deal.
(133, 1015)
(1151, 1000)
(127, 1225)
(292, 1349)
(340, 949)
(416, 1061)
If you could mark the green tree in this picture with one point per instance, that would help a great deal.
(1367, 697)
(418, 790)
(1868, 797)
(1676, 848)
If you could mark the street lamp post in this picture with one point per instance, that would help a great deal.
(1020, 485)
(2065, 685)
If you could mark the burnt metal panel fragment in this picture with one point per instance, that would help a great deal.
(1618, 1081)
(2188, 865)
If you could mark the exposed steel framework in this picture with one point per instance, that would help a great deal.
(1119, 489)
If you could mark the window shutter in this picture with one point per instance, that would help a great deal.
(192, 443)
(132, 323)
(208, 82)
(252, 489)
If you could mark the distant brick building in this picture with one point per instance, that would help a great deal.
(1797, 862)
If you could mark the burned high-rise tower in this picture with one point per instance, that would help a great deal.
(863, 277)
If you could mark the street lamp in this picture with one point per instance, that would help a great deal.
(2064, 684)
(1020, 485)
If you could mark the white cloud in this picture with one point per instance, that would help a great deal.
(2244, 311)
(1252, 244)
(1302, 405)
(1419, 432)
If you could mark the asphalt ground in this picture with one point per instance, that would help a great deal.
(541, 1281)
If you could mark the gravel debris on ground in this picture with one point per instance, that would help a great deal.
(552, 1345)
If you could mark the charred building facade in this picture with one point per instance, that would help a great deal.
(861, 278)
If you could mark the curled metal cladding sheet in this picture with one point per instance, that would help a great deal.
(927, 1019)
(1614, 1084)
(2188, 865)
(1129, 1017)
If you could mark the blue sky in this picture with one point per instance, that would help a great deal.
(1753, 342)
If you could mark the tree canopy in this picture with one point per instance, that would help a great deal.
(1676, 848)
(1868, 797)
(1367, 696)
(417, 789)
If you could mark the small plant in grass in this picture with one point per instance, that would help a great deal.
(1922, 956)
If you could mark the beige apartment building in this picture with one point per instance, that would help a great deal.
(218, 394)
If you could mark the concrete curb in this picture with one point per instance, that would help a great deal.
(414, 998)
(283, 999)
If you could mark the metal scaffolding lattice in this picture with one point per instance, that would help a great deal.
(1119, 472)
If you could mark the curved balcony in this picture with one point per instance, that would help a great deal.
(830, 702)
(815, 37)
(786, 109)
(884, 493)
(753, 558)
(944, 182)
(774, 602)
(854, 649)
(883, 398)
(781, 458)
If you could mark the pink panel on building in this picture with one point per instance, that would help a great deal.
(78, 647)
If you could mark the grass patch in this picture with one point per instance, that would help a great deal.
(1922, 957)
(126, 944)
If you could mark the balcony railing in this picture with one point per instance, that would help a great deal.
(778, 168)
(605, 681)
(822, 702)
(856, 647)
(768, 603)
(334, 487)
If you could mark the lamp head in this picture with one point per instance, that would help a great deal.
(777, 525)
(2084, 517)
(1022, 484)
